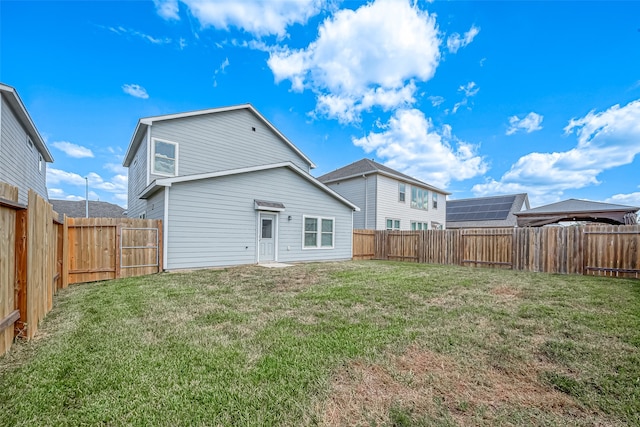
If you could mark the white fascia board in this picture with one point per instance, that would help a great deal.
(390, 175)
(323, 187)
(150, 120)
(167, 182)
(135, 142)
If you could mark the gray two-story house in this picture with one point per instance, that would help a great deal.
(388, 199)
(23, 152)
(232, 189)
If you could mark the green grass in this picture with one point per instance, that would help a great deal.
(358, 343)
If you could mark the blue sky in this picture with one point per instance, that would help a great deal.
(478, 98)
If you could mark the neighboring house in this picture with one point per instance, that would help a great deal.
(573, 210)
(388, 199)
(78, 209)
(23, 153)
(486, 212)
(231, 189)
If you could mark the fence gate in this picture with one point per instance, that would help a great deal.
(139, 251)
(612, 251)
(492, 248)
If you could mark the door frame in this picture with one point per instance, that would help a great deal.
(276, 218)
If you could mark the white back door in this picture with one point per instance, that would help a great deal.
(267, 237)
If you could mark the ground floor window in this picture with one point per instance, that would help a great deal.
(318, 232)
(393, 224)
(416, 225)
(436, 226)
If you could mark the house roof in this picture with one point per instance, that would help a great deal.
(77, 209)
(577, 210)
(494, 211)
(167, 182)
(366, 167)
(21, 111)
(145, 122)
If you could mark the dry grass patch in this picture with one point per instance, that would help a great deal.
(428, 385)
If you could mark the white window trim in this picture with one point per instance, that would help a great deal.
(402, 192)
(393, 220)
(425, 225)
(422, 208)
(319, 233)
(153, 156)
(276, 226)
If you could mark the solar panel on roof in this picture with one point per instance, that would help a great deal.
(494, 208)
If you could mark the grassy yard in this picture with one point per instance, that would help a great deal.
(358, 343)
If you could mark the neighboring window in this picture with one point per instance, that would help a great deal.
(417, 225)
(419, 198)
(401, 192)
(318, 232)
(434, 198)
(393, 224)
(143, 215)
(40, 162)
(165, 158)
(436, 225)
(29, 143)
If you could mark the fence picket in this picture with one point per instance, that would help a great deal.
(592, 249)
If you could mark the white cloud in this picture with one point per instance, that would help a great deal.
(436, 100)
(135, 90)
(455, 41)
(631, 199)
(73, 150)
(605, 140)
(529, 123)
(257, 17)
(58, 176)
(116, 168)
(411, 144)
(135, 33)
(364, 58)
(168, 9)
(220, 69)
(469, 90)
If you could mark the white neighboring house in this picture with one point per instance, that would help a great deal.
(23, 153)
(388, 199)
(231, 189)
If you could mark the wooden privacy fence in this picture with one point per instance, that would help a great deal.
(110, 248)
(592, 249)
(40, 254)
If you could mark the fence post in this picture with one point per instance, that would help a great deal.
(118, 254)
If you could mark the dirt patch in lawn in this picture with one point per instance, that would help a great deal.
(429, 384)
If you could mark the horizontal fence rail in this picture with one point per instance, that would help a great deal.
(604, 250)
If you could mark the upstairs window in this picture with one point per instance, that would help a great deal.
(401, 192)
(419, 198)
(434, 198)
(164, 158)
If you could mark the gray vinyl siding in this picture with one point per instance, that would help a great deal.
(223, 141)
(19, 163)
(354, 190)
(155, 205)
(137, 181)
(213, 222)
